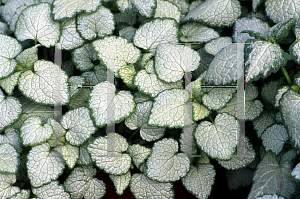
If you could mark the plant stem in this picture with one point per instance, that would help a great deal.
(133, 134)
(285, 73)
(35, 42)
(212, 121)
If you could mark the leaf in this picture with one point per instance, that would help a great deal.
(290, 110)
(15, 17)
(296, 172)
(63, 9)
(43, 165)
(253, 26)
(11, 136)
(165, 164)
(205, 61)
(121, 182)
(265, 120)
(144, 8)
(27, 57)
(264, 58)
(140, 97)
(6, 186)
(80, 100)
(75, 82)
(99, 74)
(215, 45)
(218, 13)
(82, 183)
(242, 159)
(52, 190)
(274, 138)
(10, 110)
(171, 109)
(150, 84)
(218, 139)
(146, 37)
(128, 33)
(274, 196)
(268, 92)
(281, 11)
(230, 107)
(9, 159)
(199, 111)
(116, 52)
(138, 154)
(35, 23)
(199, 180)
(79, 125)
(253, 108)
(23, 194)
(173, 61)
(217, 98)
(112, 161)
(270, 178)
(45, 73)
(83, 57)
(69, 153)
(84, 156)
(196, 32)
(187, 140)
(10, 48)
(58, 133)
(139, 183)
(33, 132)
(166, 9)
(104, 94)
(127, 74)
(70, 38)
(97, 24)
(222, 70)
(8, 84)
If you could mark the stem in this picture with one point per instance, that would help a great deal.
(35, 42)
(45, 53)
(133, 134)
(285, 73)
(211, 119)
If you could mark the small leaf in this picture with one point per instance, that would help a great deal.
(9, 83)
(35, 23)
(121, 182)
(138, 154)
(43, 165)
(27, 58)
(166, 9)
(82, 183)
(112, 161)
(199, 111)
(83, 57)
(262, 122)
(127, 74)
(215, 45)
(51, 191)
(217, 98)
(253, 108)
(23, 194)
(34, 132)
(99, 74)
(187, 140)
(97, 24)
(196, 32)
(165, 164)
(74, 82)
(9, 159)
(11, 136)
(69, 153)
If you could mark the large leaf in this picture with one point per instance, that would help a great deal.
(282, 10)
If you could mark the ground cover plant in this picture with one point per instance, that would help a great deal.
(149, 99)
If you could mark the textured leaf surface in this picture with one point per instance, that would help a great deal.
(199, 111)
(199, 180)
(27, 57)
(264, 58)
(127, 74)
(6, 185)
(274, 138)
(165, 164)
(9, 159)
(112, 162)
(116, 52)
(270, 177)
(138, 154)
(274, 196)
(242, 159)
(40, 84)
(68, 8)
(58, 133)
(253, 108)
(187, 140)
(34, 132)
(69, 153)
(11, 136)
(15, 17)
(173, 61)
(290, 111)
(10, 48)
(218, 139)
(96, 24)
(121, 182)
(128, 33)
(75, 82)
(52, 190)
(268, 91)
(9, 83)
(10, 110)
(83, 57)
(82, 183)
(99, 74)
(36, 23)
(70, 37)
(296, 172)
(143, 187)
(150, 84)
(148, 36)
(79, 124)
(23, 194)
(170, 109)
(215, 45)
(99, 103)
(80, 100)
(217, 13)
(265, 120)
(196, 32)
(222, 70)
(282, 10)
(167, 9)
(43, 165)
(217, 98)
(84, 156)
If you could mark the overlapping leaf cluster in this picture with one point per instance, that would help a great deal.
(169, 125)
